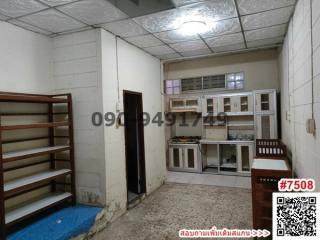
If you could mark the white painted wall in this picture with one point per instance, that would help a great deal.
(85, 64)
(25, 60)
(77, 70)
(301, 52)
(140, 72)
(260, 68)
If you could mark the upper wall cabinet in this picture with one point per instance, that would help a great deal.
(187, 104)
(265, 101)
(210, 106)
(240, 104)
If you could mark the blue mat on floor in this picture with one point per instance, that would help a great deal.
(62, 225)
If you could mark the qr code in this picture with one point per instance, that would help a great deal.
(296, 215)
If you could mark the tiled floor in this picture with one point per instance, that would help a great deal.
(176, 206)
(209, 179)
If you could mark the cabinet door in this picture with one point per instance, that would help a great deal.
(245, 157)
(266, 127)
(191, 158)
(175, 157)
(176, 104)
(210, 106)
(225, 104)
(246, 103)
(235, 104)
(265, 102)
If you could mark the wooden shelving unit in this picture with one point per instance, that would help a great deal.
(269, 166)
(59, 179)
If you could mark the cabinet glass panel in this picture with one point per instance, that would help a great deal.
(177, 103)
(176, 157)
(227, 104)
(265, 104)
(191, 158)
(210, 105)
(265, 127)
(244, 104)
(245, 157)
(192, 103)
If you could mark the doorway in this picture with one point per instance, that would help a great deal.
(134, 145)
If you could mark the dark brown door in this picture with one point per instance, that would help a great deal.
(134, 138)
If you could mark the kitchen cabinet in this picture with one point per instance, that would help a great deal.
(210, 106)
(239, 104)
(265, 101)
(184, 157)
(266, 126)
(187, 104)
(244, 157)
(175, 157)
(190, 158)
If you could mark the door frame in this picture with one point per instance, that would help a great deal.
(141, 145)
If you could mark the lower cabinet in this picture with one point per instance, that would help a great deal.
(245, 157)
(184, 157)
(266, 127)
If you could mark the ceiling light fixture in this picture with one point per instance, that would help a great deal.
(190, 28)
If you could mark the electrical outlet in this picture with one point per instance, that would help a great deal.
(311, 126)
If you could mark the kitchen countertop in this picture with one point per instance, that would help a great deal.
(209, 141)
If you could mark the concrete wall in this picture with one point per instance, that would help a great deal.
(85, 64)
(300, 87)
(25, 60)
(260, 68)
(140, 72)
(77, 71)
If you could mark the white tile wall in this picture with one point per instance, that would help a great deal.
(297, 89)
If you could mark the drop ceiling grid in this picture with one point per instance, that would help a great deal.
(243, 9)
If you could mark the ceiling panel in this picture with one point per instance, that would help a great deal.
(254, 6)
(52, 21)
(264, 42)
(161, 21)
(159, 50)
(229, 48)
(93, 12)
(223, 27)
(198, 52)
(174, 36)
(266, 19)
(144, 41)
(3, 18)
(124, 28)
(189, 46)
(56, 2)
(269, 32)
(225, 40)
(16, 8)
(208, 11)
(169, 56)
(179, 3)
(211, 10)
(29, 27)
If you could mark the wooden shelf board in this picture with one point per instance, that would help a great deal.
(36, 178)
(35, 206)
(31, 98)
(22, 154)
(35, 125)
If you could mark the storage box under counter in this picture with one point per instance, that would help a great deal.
(265, 175)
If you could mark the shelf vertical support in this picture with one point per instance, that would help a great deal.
(2, 207)
(51, 143)
(71, 143)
